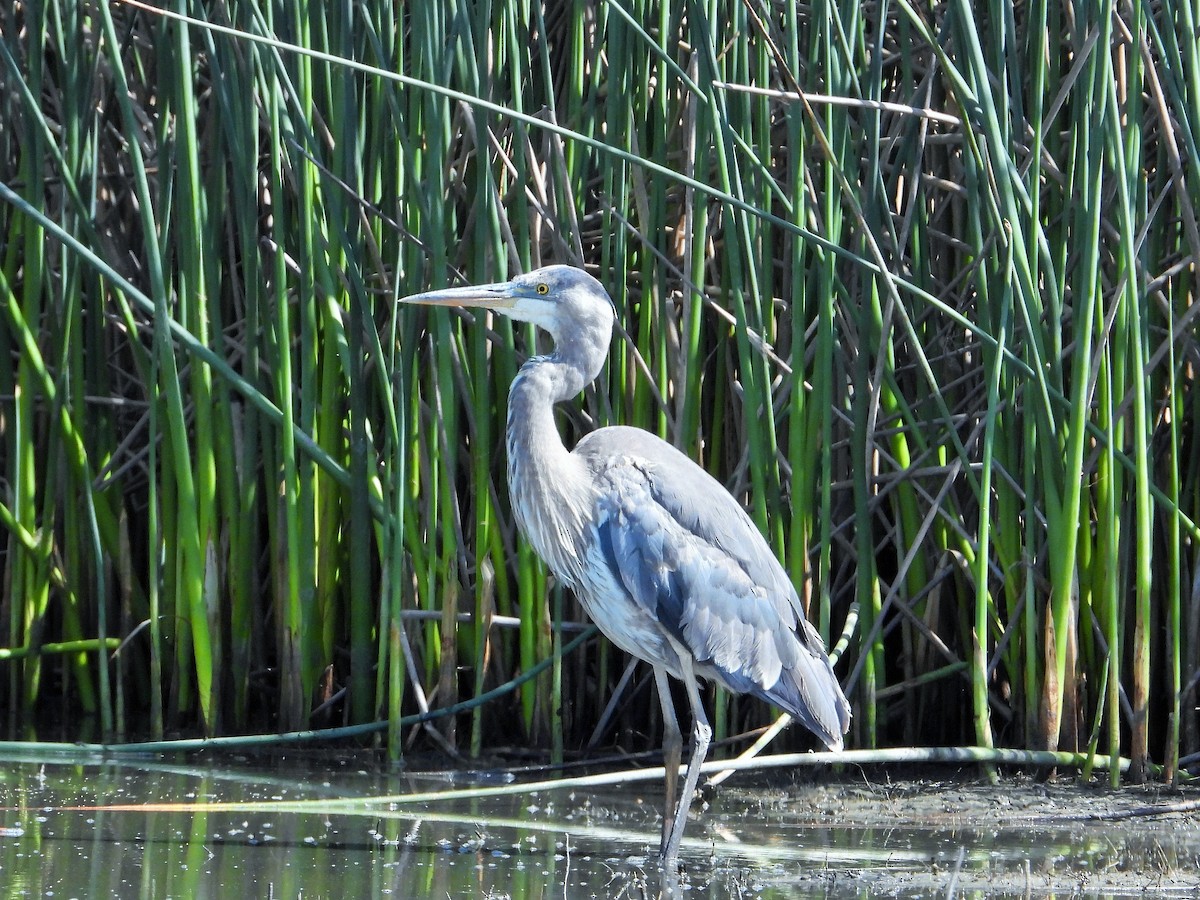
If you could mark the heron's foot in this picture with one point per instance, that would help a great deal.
(664, 843)
(668, 862)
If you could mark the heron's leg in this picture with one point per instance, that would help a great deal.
(672, 752)
(701, 738)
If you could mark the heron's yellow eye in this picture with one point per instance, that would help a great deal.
(543, 288)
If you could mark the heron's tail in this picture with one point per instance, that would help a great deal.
(809, 692)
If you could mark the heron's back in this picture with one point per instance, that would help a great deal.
(672, 564)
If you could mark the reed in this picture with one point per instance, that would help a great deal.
(917, 284)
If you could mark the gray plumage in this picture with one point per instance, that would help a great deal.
(661, 556)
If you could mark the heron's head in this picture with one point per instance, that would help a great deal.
(565, 301)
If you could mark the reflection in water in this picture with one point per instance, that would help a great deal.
(914, 841)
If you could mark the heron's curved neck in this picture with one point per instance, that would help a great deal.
(536, 452)
(544, 381)
(548, 486)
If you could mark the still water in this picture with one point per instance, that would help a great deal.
(855, 836)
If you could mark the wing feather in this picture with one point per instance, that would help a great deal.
(691, 558)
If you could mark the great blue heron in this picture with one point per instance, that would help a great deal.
(661, 556)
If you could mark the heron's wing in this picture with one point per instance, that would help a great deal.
(687, 553)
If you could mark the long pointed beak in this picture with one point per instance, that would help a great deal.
(488, 296)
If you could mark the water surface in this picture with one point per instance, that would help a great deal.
(858, 836)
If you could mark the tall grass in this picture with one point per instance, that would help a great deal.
(916, 282)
